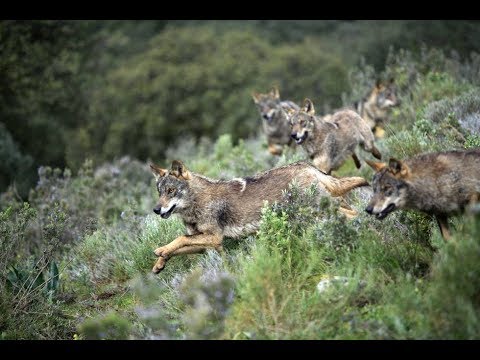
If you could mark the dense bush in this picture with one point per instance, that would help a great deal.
(15, 167)
(196, 82)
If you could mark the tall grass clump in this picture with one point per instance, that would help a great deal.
(31, 286)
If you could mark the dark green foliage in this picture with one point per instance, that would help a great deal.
(15, 167)
(196, 82)
(39, 95)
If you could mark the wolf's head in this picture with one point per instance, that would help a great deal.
(268, 105)
(173, 188)
(385, 94)
(389, 187)
(302, 122)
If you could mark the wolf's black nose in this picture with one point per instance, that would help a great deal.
(157, 210)
(369, 209)
(294, 136)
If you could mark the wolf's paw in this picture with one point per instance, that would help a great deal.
(159, 265)
(161, 251)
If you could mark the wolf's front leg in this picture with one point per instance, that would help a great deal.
(356, 160)
(160, 264)
(186, 244)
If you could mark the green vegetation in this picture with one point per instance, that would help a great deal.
(87, 105)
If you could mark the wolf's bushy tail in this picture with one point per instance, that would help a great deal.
(341, 186)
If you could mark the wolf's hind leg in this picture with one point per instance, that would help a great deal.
(376, 153)
(442, 222)
(356, 160)
(371, 148)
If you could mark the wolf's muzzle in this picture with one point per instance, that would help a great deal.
(299, 139)
(383, 214)
(166, 214)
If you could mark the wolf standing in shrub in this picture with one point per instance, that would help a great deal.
(438, 184)
(375, 106)
(274, 115)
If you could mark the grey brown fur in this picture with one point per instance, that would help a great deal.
(329, 143)
(375, 107)
(274, 116)
(438, 184)
(212, 209)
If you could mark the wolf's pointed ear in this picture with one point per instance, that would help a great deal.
(157, 171)
(275, 93)
(179, 170)
(398, 167)
(308, 107)
(255, 97)
(377, 166)
(289, 112)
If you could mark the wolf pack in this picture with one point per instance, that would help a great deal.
(439, 184)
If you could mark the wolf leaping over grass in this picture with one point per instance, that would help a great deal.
(214, 209)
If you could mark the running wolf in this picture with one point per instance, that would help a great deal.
(374, 108)
(213, 209)
(438, 184)
(330, 142)
(274, 115)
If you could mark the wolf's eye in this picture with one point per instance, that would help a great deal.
(170, 191)
(302, 122)
(388, 191)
